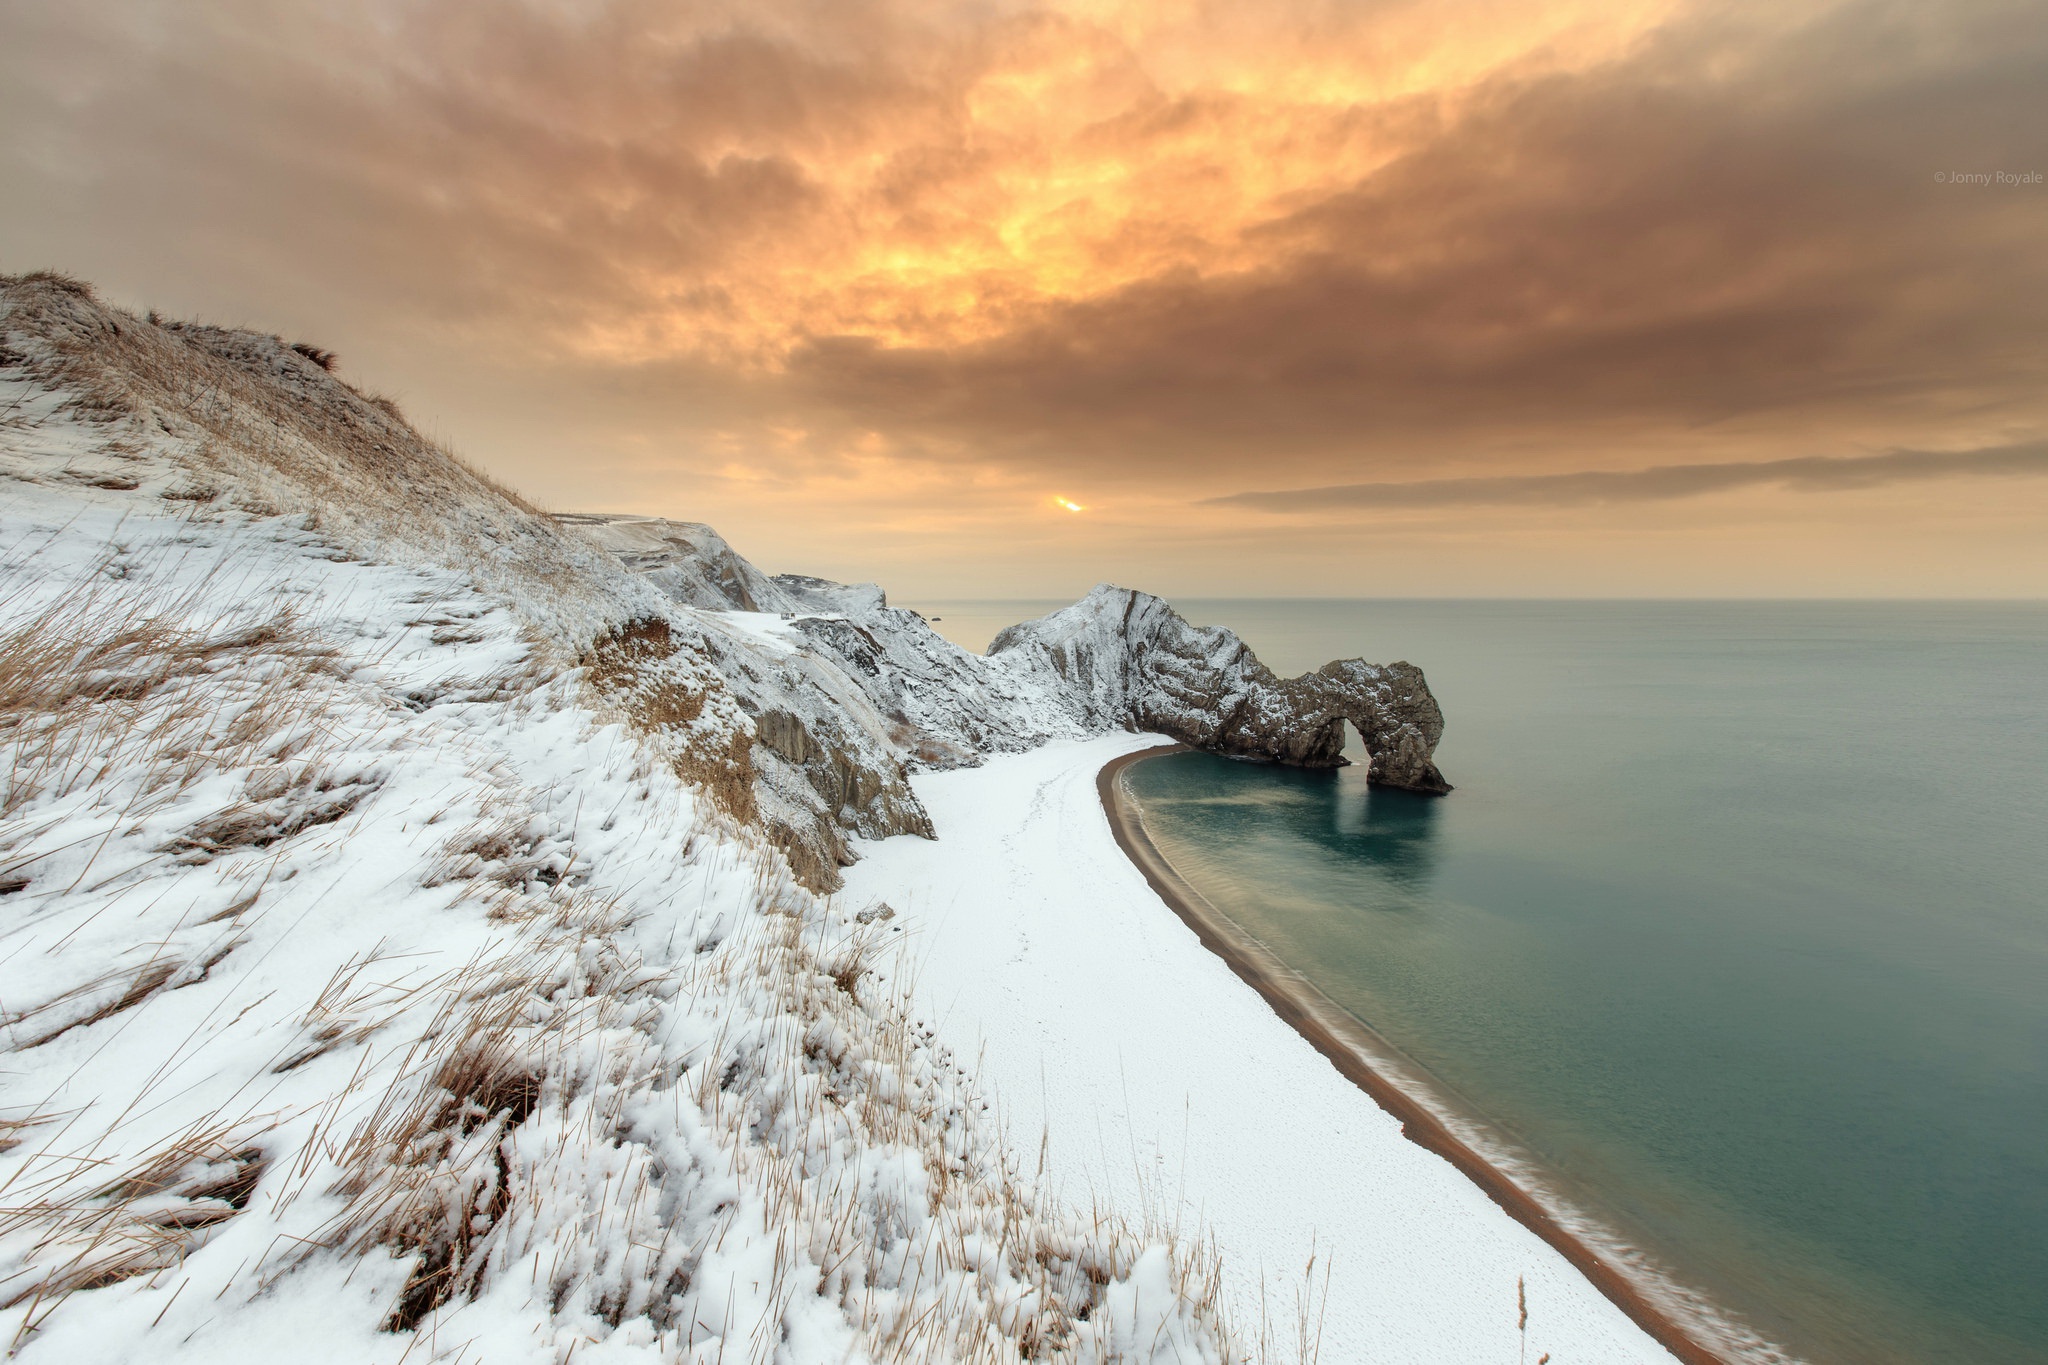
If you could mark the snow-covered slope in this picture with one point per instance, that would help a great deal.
(207, 417)
(408, 938)
(688, 561)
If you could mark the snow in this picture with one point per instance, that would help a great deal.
(764, 627)
(1157, 1077)
(1115, 660)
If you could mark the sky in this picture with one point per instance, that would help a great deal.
(994, 298)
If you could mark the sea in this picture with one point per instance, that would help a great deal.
(1735, 927)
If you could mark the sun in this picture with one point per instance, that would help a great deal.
(1069, 504)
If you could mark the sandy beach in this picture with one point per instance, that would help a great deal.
(1156, 1077)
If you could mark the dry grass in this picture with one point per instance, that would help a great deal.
(60, 1236)
(115, 700)
(113, 993)
(996, 1269)
(326, 360)
(348, 1009)
(269, 425)
(98, 676)
(427, 1173)
(546, 1061)
(641, 673)
(428, 1177)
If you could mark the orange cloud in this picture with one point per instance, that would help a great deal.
(955, 183)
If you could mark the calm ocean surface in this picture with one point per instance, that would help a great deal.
(1737, 920)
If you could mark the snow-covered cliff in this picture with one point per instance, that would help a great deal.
(1115, 660)
(1128, 661)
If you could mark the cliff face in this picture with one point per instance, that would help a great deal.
(1394, 712)
(1116, 660)
(939, 705)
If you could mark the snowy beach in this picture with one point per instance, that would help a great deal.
(1154, 1076)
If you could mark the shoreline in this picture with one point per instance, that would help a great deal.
(1341, 1039)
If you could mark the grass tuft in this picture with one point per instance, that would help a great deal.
(326, 360)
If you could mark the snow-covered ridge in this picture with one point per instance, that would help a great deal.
(411, 944)
(210, 417)
(1115, 660)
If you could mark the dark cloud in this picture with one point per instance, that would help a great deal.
(542, 172)
(1809, 474)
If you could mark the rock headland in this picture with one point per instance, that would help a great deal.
(1117, 659)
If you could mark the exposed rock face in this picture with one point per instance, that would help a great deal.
(816, 764)
(1117, 659)
(688, 561)
(943, 706)
(1395, 715)
(1129, 661)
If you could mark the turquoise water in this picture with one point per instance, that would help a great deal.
(1738, 920)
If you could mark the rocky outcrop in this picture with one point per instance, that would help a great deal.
(1130, 661)
(687, 560)
(943, 706)
(1394, 712)
(813, 764)
(1116, 660)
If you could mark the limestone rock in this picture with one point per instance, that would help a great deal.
(1130, 661)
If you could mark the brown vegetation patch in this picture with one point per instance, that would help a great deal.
(145, 1221)
(429, 1178)
(640, 670)
(142, 983)
(480, 1087)
(326, 360)
(500, 849)
(309, 803)
(629, 659)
